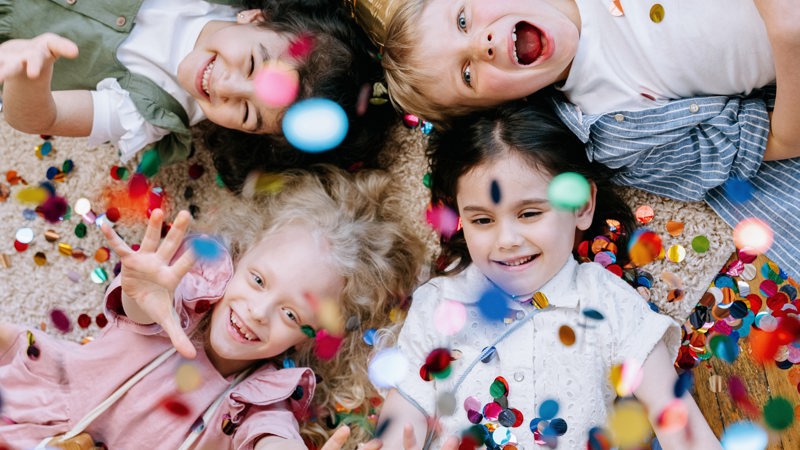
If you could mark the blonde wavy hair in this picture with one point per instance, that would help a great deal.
(379, 257)
(404, 72)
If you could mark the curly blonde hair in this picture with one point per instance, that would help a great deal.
(379, 257)
(404, 72)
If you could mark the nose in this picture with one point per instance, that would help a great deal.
(508, 236)
(483, 46)
(232, 86)
(260, 309)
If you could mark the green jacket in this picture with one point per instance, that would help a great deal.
(99, 27)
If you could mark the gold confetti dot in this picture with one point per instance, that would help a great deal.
(40, 259)
(657, 13)
(674, 229)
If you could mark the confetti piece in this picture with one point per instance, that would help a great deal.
(387, 368)
(326, 345)
(187, 378)
(644, 214)
(657, 13)
(753, 234)
(175, 406)
(568, 191)
(277, 84)
(493, 305)
(449, 317)
(205, 248)
(315, 125)
(738, 190)
(548, 409)
(443, 220)
(744, 435)
(626, 377)
(60, 320)
(700, 244)
(566, 335)
(674, 229)
(628, 424)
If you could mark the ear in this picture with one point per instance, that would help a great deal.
(249, 16)
(584, 215)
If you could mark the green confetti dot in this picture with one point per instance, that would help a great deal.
(80, 230)
(219, 181)
(426, 180)
(700, 244)
(443, 374)
(308, 331)
(150, 163)
(568, 191)
(778, 413)
(497, 389)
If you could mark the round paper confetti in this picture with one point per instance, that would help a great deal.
(443, 220)
(738, 190)
(387, 368)
(724, 347)
(644, 214)
(315, 125)
(657, 13)
(676, 253)
(716, 383)
(548, 409)
(205, 248)
(700, 244)
(753, 234)
(628, 424)
(568, 191)
(674, 229)
(626, 377)
(449, 317)
(60, 320)
(744, 435)
(277, 84)
(778, 413)
(188, 378)
(82, 207)
(566, 335)
(40, 258)
(674, 416)
(24, 235)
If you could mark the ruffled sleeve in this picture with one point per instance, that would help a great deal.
(200, 288)
(117, 120)
(270, 402)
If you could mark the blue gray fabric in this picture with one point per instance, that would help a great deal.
(688, 148)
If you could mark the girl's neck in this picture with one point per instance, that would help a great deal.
(515, 297)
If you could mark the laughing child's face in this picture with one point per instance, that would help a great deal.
(486, 52)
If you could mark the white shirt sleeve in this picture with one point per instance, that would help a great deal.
(117, 120)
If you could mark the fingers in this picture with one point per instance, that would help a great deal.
(152, 235)
(178, 337)
(451, 443)
(337, 440)
(175, 235)
(114, 241)
(184, 263)
(409, 441)
(61, 47)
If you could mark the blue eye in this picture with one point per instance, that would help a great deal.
(462, 21)
(291, 315)
(467, 76)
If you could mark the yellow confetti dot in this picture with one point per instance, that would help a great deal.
(65, 249)
(35, 195)
(657, 13)
(40, 259)
(628, 424)
(676, 253)
(188, 378)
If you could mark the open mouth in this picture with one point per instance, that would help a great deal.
(205, 78)
(518, 261)
(238, 326)
(529, 43)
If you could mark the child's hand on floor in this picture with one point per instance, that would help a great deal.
(149, 277)
(29, 58)
(409, 442)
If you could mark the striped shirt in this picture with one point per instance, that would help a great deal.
(688, 148)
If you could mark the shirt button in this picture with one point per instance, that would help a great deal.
(619, 117)
(71, 2)
(121, 21)
(519, 376)
(693, 108)
(519, 315)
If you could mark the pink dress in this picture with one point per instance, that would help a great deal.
(46, 396)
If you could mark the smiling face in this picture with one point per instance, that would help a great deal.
(486, 52)
(266, 301)
(219, 72)
(520, 242)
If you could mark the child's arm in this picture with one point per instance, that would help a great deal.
(149, 280)
(26, 70)
(406, 426)
(781, 18)
(656, 391)
(336, 442)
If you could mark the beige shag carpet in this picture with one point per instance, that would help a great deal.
(43, 277)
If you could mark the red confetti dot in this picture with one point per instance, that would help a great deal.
(60, 321)
(196, 171)
(84, 321)
(19, 246)
(137, 187)
(112, 214)
(101, 320)
(202, 306)
(302, 46)
(114, 173)
(175, 406)
(54, 208)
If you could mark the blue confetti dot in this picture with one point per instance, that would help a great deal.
(369, 336)
(206, 248)
(548, 409)
(495, 191)
(744, 435)
(593, 314)
(738, 190)
(492, 305)
(315, 125)
(683, 384)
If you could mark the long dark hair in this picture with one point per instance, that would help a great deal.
(341, 63)
(532, 130)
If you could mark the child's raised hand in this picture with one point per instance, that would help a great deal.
(29, 58)
(149, 277)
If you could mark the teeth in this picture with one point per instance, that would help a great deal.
(207, 76)
(519, 262)
(239, 327)
(514, 35)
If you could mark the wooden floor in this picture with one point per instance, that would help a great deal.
(763, 382)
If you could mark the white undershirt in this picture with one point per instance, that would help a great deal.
(165, 31)
(708, 47)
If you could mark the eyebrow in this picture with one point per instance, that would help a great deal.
(519, 204)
